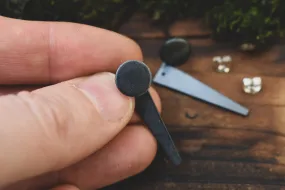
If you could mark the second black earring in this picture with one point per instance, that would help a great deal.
(133, 78)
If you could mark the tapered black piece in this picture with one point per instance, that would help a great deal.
(145, 107)
(133, 78)
(175, 51)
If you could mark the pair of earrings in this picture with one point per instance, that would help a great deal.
(250, 85)
(133, 78)
(222, 64)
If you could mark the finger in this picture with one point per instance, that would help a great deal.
(66, 187)
(126, 155)
(135, 118)
(49, 52)
(5, 90)
(59, 125)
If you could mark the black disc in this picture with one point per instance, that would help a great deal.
(175, 51)
(133, 78)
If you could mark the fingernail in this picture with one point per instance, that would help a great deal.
(111, 104)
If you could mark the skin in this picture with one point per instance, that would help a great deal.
(44, 65)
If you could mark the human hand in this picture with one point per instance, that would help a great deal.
(65, 126)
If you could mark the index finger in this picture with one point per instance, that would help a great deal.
(33, 52)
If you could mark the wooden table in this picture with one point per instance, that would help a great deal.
(220, 150)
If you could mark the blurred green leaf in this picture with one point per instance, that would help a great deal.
(256, 21)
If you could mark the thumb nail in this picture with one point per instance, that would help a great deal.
(111, 104)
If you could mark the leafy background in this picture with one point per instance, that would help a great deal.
(261, 22)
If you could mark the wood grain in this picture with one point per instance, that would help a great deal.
(141, 26)
(181, 186)
(220, 150)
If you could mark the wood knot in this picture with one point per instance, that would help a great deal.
(191, 114)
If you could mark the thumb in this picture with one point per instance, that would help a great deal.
(56, 126)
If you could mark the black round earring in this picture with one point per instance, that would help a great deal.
(133, 78)
(175, 51)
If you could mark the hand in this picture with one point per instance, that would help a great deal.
(63, 121)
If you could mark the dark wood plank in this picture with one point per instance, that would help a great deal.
(206, 171)
(141, 26)
(230, 146)
(222, 139)
(220, 150)
(209, 186)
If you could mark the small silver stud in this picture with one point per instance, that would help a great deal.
(217, 59)
(227, 59)
(247, 47)
(227, 70)
(222, 64)
(252, 85)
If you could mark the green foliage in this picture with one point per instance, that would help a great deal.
(104, 13)
(251, 21)
(254, 21)
(12, 8)
(166, 11)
